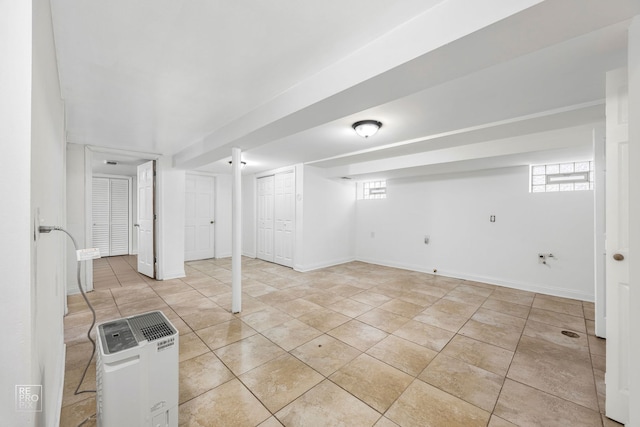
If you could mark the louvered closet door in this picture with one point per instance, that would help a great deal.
(110, 205)
(100, 209)
(119, 233)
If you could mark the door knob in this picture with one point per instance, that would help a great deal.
(618, 257)
(212, 222)
(136, 225)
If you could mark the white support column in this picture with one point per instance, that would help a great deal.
(236, 232)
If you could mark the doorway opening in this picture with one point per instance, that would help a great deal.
(122, 165)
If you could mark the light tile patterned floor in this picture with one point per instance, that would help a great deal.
(354, 345)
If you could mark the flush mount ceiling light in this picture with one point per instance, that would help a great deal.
(366, 128)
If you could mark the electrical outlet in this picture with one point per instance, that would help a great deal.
(542, 258)
(87, 254)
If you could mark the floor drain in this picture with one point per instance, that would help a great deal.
(570, 334)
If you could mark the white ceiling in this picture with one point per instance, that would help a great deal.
(284, 80)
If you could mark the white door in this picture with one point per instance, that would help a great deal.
(199, 219)
(119, 216)
(284, 218)
(617, 246)
(265, 218)
(110, 214)
(100, 215)
(146, 219)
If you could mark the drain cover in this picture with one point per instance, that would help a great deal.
(570, 334)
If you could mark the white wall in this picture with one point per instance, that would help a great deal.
(16, 358)
(454, 211)
(327, 216)
(75, 174)
(31, 179)
(223, 216)
(170, 209)
(48, 194)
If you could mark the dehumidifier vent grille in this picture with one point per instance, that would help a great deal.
(150, 326)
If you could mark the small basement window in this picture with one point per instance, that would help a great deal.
(372, 190)
(572, 176)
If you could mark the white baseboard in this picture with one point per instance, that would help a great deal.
(54, 417)
(324, 264)
(530, 287)
(173, 275)
(402, 266)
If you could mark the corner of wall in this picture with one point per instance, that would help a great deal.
(169, 275)
(326, 232)
(170, 207)
(323, 264)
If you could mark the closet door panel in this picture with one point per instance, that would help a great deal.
(100, 215)
(110, 215)
(284, 218)
(119, 235)
(265, 218)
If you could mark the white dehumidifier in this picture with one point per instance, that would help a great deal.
(137, 372)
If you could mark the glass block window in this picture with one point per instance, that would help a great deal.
(571, 176)
(373, 190)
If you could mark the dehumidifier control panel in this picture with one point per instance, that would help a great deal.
(117, 336)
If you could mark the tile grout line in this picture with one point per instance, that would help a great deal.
(506, 374)
(384, 282)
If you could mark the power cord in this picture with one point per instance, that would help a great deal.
(48, 229)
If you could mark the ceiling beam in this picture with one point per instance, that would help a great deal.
(390, 67)
(454, 39)
(562, 139)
